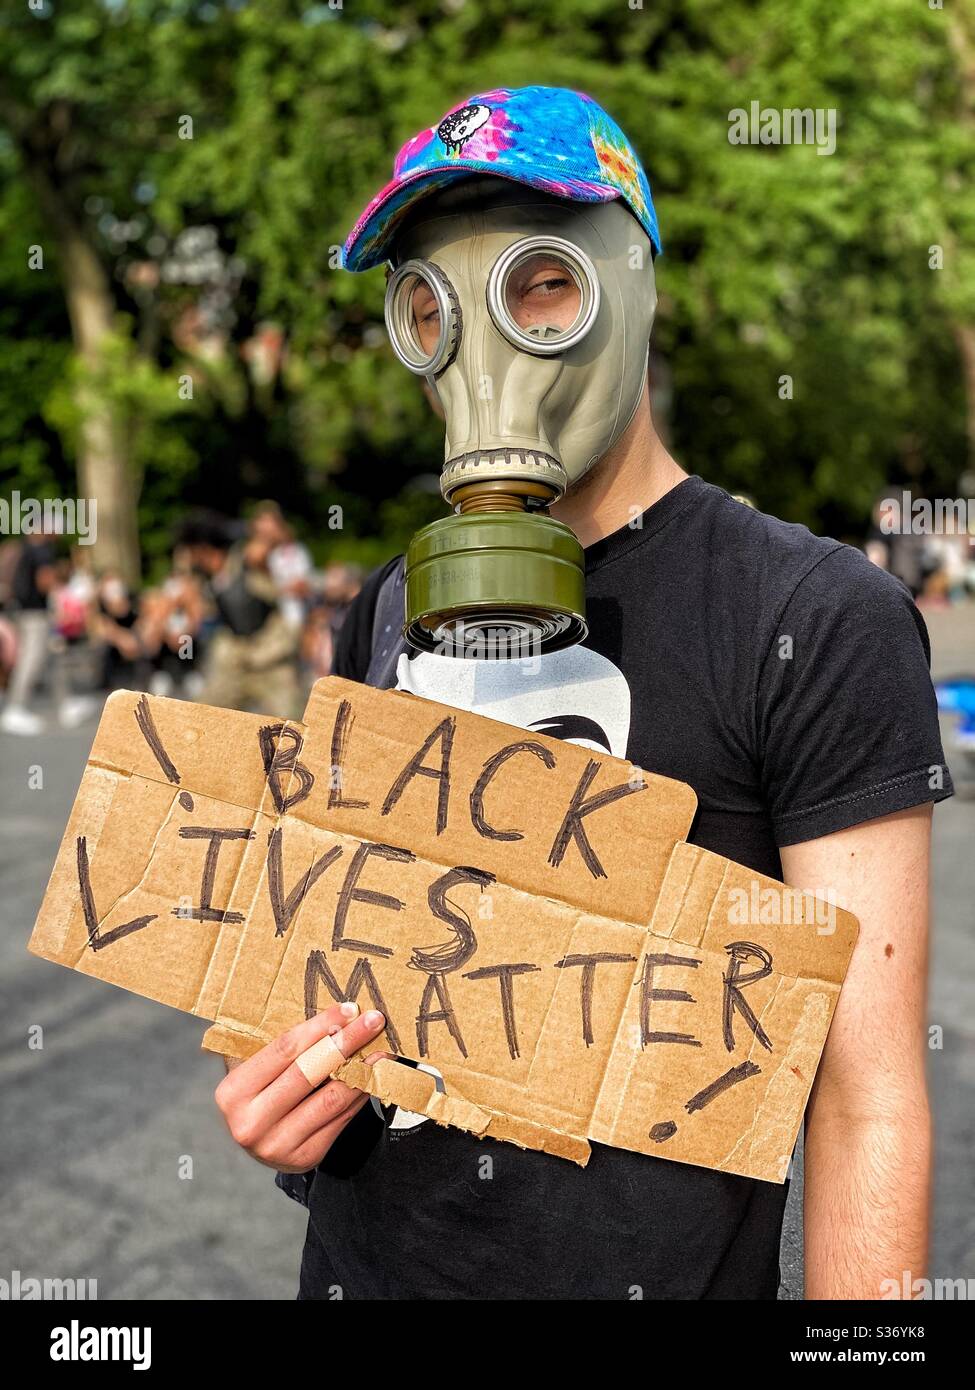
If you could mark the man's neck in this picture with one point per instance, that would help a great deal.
(634, 474)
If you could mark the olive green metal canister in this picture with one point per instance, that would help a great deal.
(495, 584)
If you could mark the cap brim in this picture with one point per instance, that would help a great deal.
(368, 243)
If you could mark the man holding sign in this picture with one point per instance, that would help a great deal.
(632, 610)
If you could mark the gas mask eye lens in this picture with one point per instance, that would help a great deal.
(543, 294)
(422, 317)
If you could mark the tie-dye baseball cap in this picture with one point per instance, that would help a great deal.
(550, 138)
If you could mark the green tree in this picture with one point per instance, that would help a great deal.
(811, 352)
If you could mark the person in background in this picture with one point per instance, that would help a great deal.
(9, 554)
(892, 546)
(171, 627)
(71, 608)
(114, 616)
(252, 661)
(33, 579)
(945, 564)
(317, 642)
(340, 584)
(288, 561)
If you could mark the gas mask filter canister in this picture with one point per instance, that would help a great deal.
(530, 319)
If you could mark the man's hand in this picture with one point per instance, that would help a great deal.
(274, 1103)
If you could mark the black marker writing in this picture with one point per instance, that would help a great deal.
(648, 993)
(437, 985)
(444, 733)
(723, 1083)
(739, 951)
(96, 939)
(341, 730)
(587, 982)
(318, 971)
(481, 785)
(572, 827)
(280, 745)
(504, 974)
(665, 1130)
(206, 912)
(350, 893)
(145, 721)
(453, 954)
(285, 906)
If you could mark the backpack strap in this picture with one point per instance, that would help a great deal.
(388, 643)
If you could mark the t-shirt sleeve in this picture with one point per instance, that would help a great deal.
(847, 720)
(353, 646)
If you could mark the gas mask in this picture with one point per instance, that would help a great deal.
(530, 319)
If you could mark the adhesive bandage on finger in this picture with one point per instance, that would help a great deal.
(320, 1060)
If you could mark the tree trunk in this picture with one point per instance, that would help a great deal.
(105, 476)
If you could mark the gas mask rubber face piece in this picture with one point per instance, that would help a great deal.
(530, 318)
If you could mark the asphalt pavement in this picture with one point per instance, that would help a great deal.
(114, 1164)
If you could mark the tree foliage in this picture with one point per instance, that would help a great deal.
(778, 262)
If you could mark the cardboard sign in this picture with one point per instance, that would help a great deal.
(525, 912)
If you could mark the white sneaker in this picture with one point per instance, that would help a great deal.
(76, 709)
(16, 720)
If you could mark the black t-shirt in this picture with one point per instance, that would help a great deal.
(785, 678)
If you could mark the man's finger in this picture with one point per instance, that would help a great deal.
(330, 1106)
(327, 1055)
(320, 1060)
(310, 1068)
(311, 1128)
(251, 1077)
(316, 1145)
(316, 1122)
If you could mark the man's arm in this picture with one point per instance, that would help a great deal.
(868, 1140)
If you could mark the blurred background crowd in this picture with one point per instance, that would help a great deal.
(241, 618)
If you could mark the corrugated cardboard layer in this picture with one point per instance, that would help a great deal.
(525, 912)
